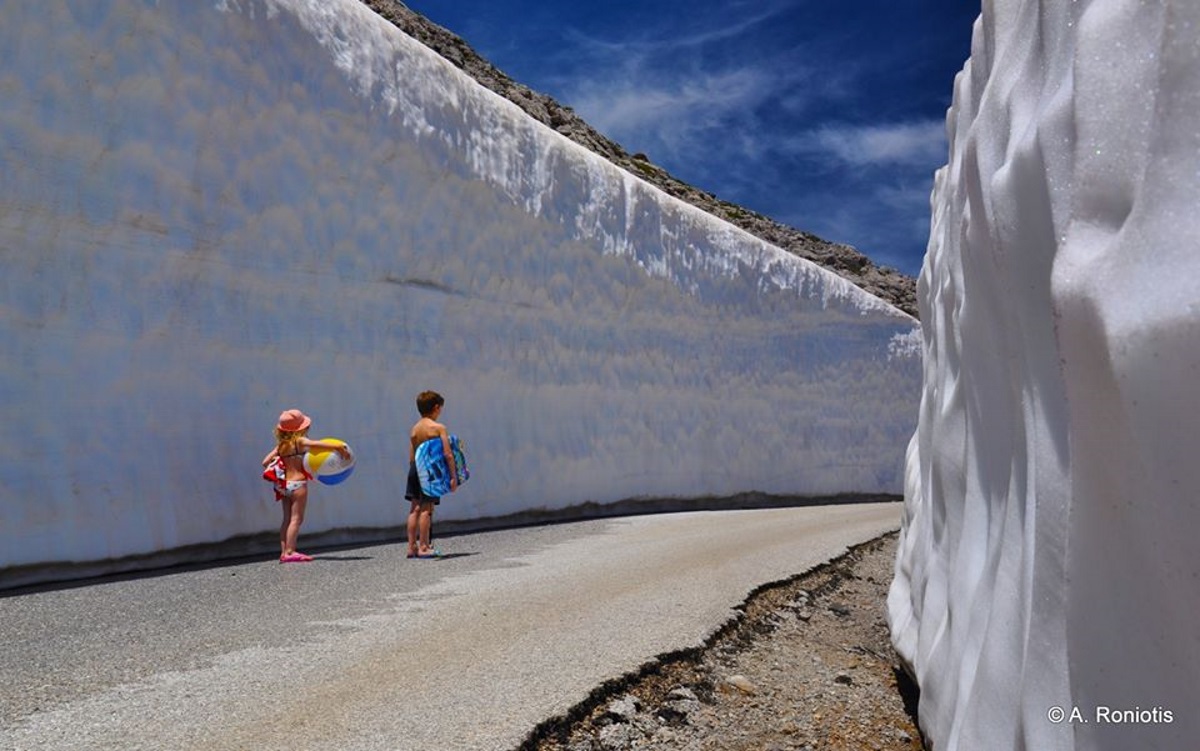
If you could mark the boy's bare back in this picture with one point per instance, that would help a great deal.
(422, 431)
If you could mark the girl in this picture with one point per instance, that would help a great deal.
(291, 442)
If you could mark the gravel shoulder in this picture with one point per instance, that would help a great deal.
(807, 665)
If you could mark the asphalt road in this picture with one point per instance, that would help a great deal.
(363, 650)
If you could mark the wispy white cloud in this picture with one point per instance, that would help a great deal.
(689, 110)
(729, 26)
(913, 143)
(668, 102)
(680, 89)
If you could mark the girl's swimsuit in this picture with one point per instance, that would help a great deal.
(288, 487)
(291, 486)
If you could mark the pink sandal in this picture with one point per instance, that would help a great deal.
(295, 558)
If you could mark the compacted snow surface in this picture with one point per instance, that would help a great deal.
(1047, 585)
(212, 211)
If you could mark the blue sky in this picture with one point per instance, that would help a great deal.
(828, 116)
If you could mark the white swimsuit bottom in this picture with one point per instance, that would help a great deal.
(291, 486)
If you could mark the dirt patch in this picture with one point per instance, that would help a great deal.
(808, 665)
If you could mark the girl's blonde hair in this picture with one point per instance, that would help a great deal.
(287, 441)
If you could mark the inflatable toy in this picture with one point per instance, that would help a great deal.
(328, 466)
(432, 470)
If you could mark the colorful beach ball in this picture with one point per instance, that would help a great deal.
(328, 466)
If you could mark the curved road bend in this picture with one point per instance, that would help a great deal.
(363, 650)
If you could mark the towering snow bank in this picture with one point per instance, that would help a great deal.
(213, 211)
(1048, 556)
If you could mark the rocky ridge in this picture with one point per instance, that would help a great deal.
(886, 283)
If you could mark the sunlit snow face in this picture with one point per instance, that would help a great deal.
(1044, 508)
(213, 208)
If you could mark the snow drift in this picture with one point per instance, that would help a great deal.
(1046, 586)
(210, 212)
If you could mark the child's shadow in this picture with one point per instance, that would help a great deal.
(320, 557)
(448, 556)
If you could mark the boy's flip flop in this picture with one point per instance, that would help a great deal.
(431, 554)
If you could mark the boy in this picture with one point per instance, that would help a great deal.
(420, 513)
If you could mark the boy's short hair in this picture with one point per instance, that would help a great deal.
(428, 401)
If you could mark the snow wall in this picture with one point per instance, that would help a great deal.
(1048, 584)
(212, 211)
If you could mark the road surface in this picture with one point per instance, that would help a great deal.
(363, 650)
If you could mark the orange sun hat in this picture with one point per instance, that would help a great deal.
(292, 420)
